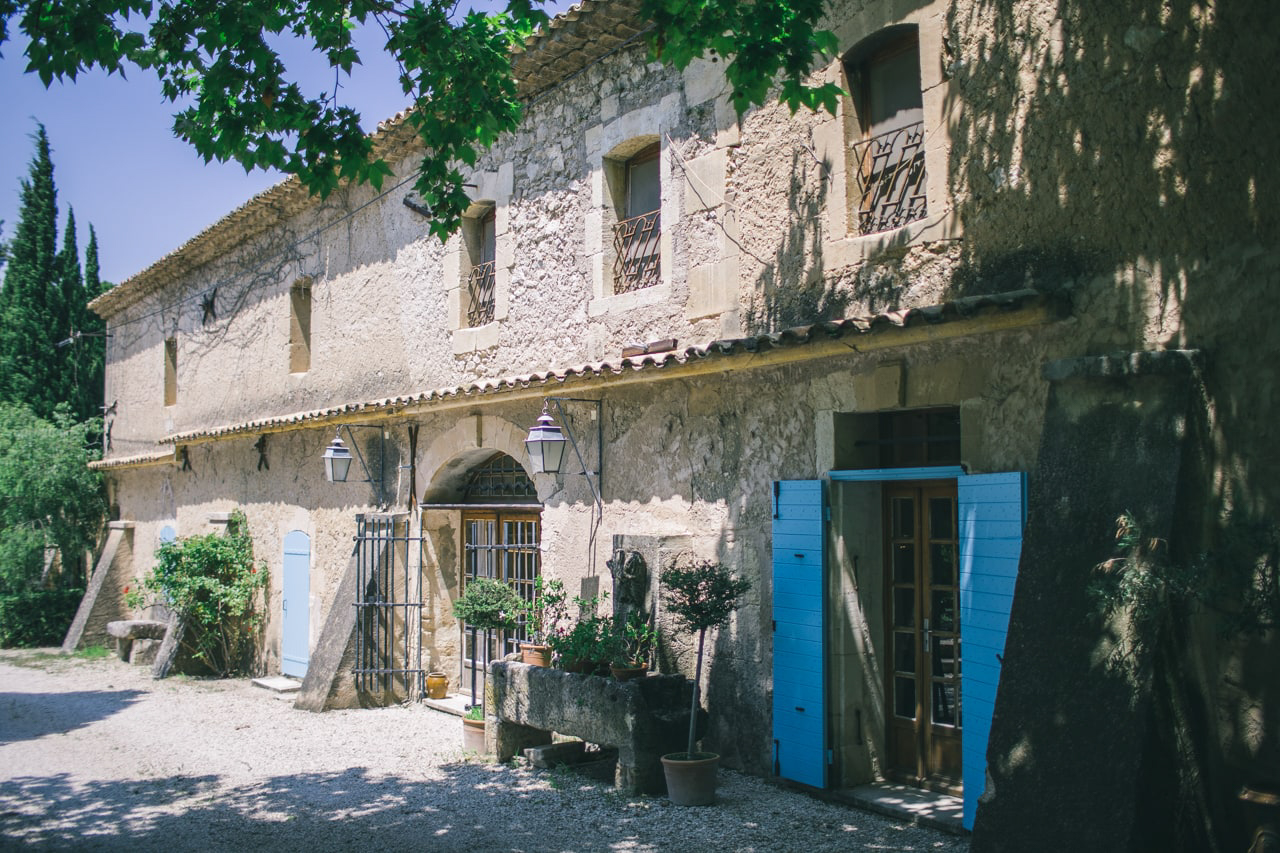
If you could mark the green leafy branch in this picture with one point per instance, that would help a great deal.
(456, 71)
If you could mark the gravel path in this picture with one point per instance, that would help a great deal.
(94, 755)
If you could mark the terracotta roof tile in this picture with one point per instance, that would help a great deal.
(726, 348)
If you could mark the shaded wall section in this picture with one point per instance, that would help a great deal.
(1073, 759)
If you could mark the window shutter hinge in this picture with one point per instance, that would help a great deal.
(826, 513)
(777, 492)
(831, 757)
(775, 625)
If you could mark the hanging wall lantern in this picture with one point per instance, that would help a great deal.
(337, 461)
(545, 445)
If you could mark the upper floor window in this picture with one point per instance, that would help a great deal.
(480, 234)
(637, 234)
(888, 157)
(300, 326)
(170, 371)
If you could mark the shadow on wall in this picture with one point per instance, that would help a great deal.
(792, 289)
(1130, 150)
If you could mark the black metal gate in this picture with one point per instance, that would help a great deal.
(388, 609)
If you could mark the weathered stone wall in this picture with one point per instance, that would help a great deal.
(1120, 154)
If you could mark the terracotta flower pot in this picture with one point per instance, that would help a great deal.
(437, 685)
(535, 654)
(691, 782)
(626, 673)
(473, 735)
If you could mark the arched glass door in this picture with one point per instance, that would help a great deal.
(500, 539)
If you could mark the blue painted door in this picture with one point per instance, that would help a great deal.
(799, 632)
(992, 509)
(295, 648)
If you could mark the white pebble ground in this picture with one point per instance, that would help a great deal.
(94, 755)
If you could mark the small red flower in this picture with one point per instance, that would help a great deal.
(253, 571)
(126, 590)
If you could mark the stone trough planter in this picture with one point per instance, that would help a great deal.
(643, 719)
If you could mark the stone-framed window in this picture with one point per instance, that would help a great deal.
(636, 188)
(891, 67)
(885, 132)
(171, 371)
(300, 326)
(478, 261)
(625, 152)
(479, 233)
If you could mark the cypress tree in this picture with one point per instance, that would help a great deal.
(91, 348)
(67, 306)
(29, 300)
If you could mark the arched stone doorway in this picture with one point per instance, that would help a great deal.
(498, 521)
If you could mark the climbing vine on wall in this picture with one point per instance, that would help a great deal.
(213, 582)
(1239, 578)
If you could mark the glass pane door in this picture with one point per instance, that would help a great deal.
(922, 619)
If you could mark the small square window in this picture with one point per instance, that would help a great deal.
(300, 326)
(170, 371)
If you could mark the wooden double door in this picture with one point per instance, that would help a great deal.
(922, 690)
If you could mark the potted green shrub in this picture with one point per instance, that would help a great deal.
(473, 729)
(541, 616)
(632, 649)
(700, 596)
(490, 605)
(583, 647)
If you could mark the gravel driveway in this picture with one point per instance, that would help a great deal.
(94, 755)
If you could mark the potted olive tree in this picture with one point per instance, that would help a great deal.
(633, 642)
(701, 596)
(541, 616)
(490, 605)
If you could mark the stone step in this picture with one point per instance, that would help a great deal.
(278, 684)
(554, 754)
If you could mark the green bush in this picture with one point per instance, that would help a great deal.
(213, 582)
(48, 496)
(489, 604)
(37, 617)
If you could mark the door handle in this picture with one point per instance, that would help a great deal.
(927, 635)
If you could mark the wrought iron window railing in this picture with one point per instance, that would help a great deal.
(480, 294)
(636, 261)
(890, 177)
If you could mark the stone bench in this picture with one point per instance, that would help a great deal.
(643, 719)
(137, 640)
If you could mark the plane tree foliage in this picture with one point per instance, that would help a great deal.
(218, 62)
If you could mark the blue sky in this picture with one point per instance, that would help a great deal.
(118, 164)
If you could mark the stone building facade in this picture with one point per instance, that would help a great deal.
(1032, 254)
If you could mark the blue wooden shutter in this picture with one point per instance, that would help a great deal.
(295, 650)
(799, 633)
(992, 509)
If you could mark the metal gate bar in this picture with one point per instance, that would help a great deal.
(388, 609)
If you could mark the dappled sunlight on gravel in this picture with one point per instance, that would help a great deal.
(97, 756)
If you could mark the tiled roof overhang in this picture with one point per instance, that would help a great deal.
(573, 40)
(140, 460)
(950, 320)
